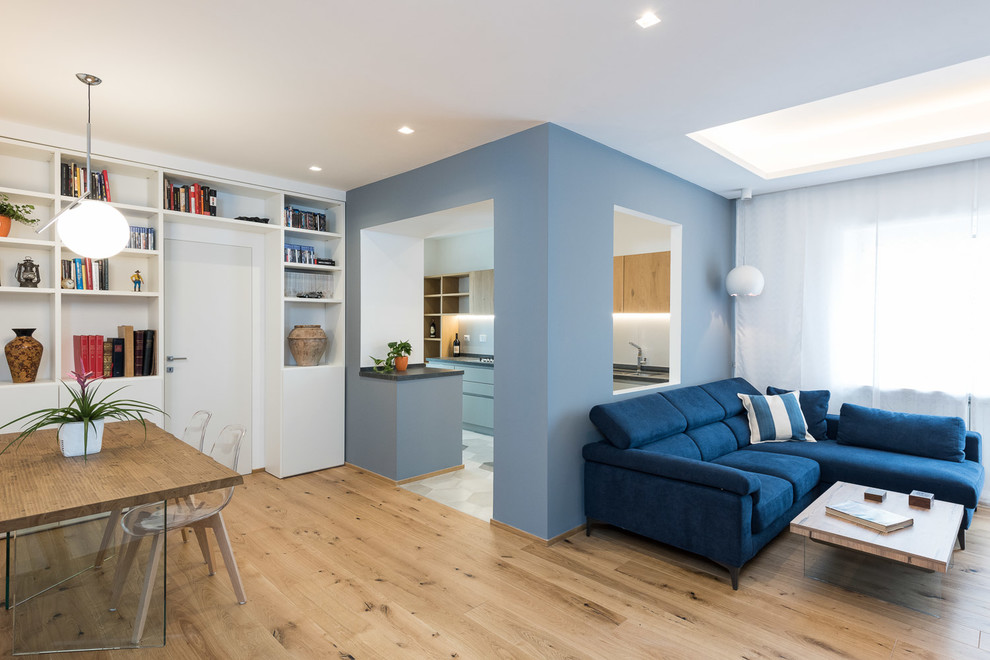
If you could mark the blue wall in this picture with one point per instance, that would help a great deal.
(554, 194)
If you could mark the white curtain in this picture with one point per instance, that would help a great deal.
(877, 289)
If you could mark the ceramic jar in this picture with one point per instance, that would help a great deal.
(23, 355)
(308, 343)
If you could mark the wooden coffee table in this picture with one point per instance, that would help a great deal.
(883, 566)
(927, 544)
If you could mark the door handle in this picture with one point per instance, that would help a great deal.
(172, 358)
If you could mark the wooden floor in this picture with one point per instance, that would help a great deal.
(338, 564)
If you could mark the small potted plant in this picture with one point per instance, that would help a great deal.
(80, 430)
(10, 211)
(397, 358)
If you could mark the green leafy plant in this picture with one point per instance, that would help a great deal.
(395, 349)
(19, 212)
(84, 407)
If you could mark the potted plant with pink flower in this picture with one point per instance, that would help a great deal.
(80, 423)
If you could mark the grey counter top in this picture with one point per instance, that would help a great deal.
(466, 360)
(414, 372)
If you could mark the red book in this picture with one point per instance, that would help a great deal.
(96, 354)
(84, 354)
(106, 184)
(194, 199)
(89, 273)
(77, 353)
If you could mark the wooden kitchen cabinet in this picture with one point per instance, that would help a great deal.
(644, 283)
(481, 284)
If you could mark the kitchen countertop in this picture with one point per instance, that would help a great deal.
(466, 360)
(413, 372)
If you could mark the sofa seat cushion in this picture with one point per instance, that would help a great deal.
(775, 497)
(953, 482)
(802, 473)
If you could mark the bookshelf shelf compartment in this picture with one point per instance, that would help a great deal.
(312, 267)
(110, 294)
(312, 234)
(220, 222)
(313, 301)
(30, 243)
(26, 291)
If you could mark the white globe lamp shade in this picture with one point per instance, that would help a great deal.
(744, 281)
(94, 229)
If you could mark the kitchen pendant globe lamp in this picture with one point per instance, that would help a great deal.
(744, 281)
(89, 227)
(94, 229)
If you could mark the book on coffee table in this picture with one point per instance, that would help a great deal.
(868, 516)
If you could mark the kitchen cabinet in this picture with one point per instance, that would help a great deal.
(644, 283)
(447, 296)
(481, 287)
(477, 395)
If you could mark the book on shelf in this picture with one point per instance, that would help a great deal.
(142, 238)
(299, 219)
(118, 357)
(139, 352)
(73, 182)
(86, 274)
(869, 516)
(108, 357)
(300, 254)
(193, 198)
(126, 332)
(150, 353)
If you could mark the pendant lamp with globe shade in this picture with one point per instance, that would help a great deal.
(89, 227)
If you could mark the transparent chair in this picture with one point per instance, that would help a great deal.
(194, 435)
(199, 511)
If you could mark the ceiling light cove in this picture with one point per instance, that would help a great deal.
(405, 130)
(315, 168)
(649, 19)
(939, 109)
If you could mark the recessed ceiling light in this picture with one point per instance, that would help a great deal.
(405, 130)
(939, 109)
(649, 19)
(315, 168)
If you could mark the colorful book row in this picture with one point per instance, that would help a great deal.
(131, 353)
(298, 219)
(74, 182)
(86, 274)
(299, 254)
(195, 198)
(142, 238)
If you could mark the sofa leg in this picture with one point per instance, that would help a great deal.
(734, 576)
(962, 538)
(587, 526)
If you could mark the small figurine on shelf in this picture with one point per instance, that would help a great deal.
(28, 273)
(138, 280)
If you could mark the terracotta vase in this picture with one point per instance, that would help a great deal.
(401, 362)
(23, 356)
(308, 343)
(4, 225)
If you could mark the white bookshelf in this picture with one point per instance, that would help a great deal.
(304, 406)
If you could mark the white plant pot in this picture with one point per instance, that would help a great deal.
(70, 438)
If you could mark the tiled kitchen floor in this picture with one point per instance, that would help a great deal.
(468, 490)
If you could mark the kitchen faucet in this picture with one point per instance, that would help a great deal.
(640, 360)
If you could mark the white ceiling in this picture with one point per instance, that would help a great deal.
(275, 87)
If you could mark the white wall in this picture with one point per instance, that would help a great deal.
(636, 235)
(391, 294)
(460, 253)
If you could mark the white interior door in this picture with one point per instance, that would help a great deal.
(208, 316)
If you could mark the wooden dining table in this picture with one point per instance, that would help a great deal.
(39, 486)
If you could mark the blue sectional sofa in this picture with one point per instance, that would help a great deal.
(679, 467)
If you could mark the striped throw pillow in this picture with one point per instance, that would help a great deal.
(775, 418)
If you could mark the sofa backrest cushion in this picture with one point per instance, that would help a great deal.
(713, 440)
(637, 421)
(696, 405)
(921, 435)
(727, 392)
